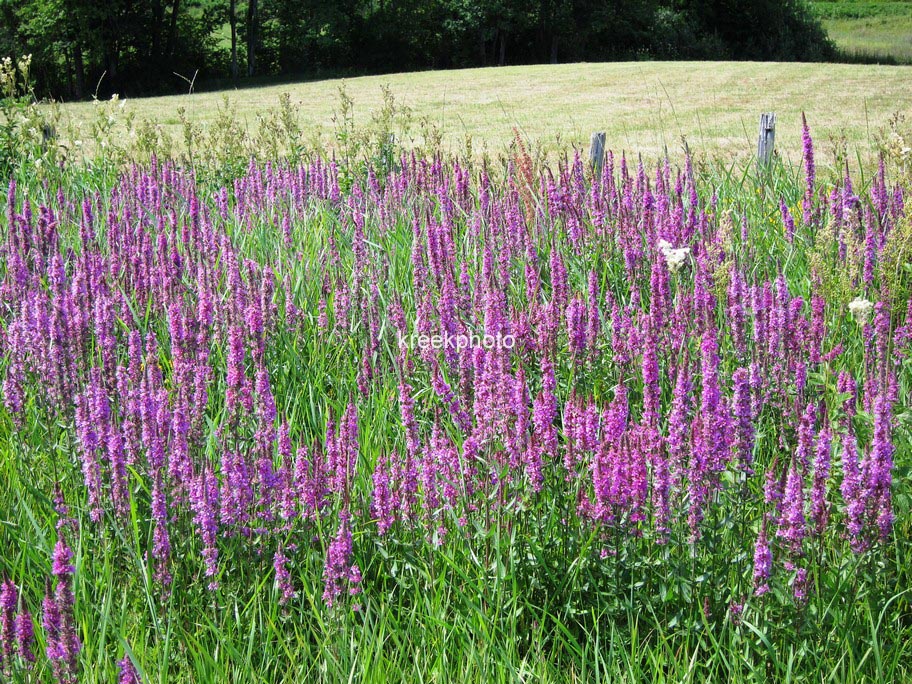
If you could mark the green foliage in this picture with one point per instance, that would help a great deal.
(860, 9)
(869, 31)
(169, 45)
(27, 132)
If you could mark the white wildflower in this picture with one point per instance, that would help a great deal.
(674, 258)
(861, 308)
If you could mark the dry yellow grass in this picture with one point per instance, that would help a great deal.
(645, 107)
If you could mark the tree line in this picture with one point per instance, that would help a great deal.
(82, 48)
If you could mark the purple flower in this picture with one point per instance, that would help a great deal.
(283, 577)
(339, 573)
(63, 644)
(820, 511)
(744, 426)
(25, 637)
(793, 525)
(880, 468)
(853, 494)
(800, 585)
(9, 599)
(651, 388)
(204, 498)
(127, 672)
(544, 410)
(576, 326)
(809, 170)
(161, 541)
(382, 505)
(787, 221)
(763, 563)
(63, 555)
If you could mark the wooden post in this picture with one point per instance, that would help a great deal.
(767, 141)
(597, 151)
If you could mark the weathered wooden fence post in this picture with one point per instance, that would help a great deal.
(597, 151)
(767, 141)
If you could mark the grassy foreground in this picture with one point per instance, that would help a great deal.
(646, 108)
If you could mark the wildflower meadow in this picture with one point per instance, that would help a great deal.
(429, 418)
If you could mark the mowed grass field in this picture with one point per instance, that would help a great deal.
(645, 108)
(880, 30)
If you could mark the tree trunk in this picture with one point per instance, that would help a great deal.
(232, 20)
(252, 35)
(503, 48)
(172, 31)
(158, 22)
(554, 49)
(79, 67)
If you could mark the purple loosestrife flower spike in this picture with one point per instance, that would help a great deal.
(576, 327)
(63, 643)
(715, 428)
(544, 410)
(9, 599)
(678, 421)
(339, 571)
(204, 501)
(651, 388)
(810, 172)
(853, 494)
(806, 436)
(773, 492)
(744, 426)
(161, 541)
(787, 221)
(407, 411)
(382, 508)
(880, 475)
(25, 637)
(763, 562)
(51, 623)
(283, 577)
(127, 672)
(820, 511)
(793, 525)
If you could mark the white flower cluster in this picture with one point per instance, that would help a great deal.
(674, 257)
(861, 309)
(8, 78)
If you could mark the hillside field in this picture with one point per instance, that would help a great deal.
(645, 108)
